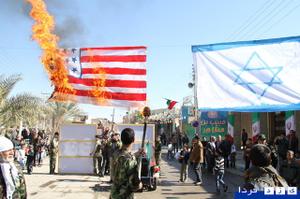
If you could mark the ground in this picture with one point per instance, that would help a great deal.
(42, 185)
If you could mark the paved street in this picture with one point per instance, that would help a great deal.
(42, 185)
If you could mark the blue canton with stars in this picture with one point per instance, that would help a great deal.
(265, 76)
(73, 62)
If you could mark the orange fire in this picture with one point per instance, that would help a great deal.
(98, 91)
(53, 57)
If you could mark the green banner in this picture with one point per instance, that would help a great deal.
(255, 124)
(231, 124)
(213, 124)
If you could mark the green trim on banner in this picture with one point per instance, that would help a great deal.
(289, 114)
(231, 119)
(255, 117)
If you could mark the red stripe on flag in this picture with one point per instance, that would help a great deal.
(109, 83)
(116, 48)
(114, 71)
(128, 58)
(107, 95)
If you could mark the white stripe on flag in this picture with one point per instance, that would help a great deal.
(131, 65)
(114, 77)
(90, 100)
(110, 89)
(112, 52)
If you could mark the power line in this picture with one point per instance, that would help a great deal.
(251, 19)
(283, 17)
(268, 17)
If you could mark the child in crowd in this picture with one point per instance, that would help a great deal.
(219, 172)
(30, 159)
(170, 149)
(232, 156)
(21, 158)
(183, 160)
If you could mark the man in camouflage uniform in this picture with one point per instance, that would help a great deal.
(12, 181)
(126, 179)
(53, 152)
(105, 152)
(262, 174)
(114, 146)
(97, 156)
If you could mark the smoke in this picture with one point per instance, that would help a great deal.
(68, 25)
(71, 32)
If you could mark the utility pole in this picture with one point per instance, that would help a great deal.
(113, 119)
(195, 98)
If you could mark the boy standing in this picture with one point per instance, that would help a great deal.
(219, 172)
(183, 160)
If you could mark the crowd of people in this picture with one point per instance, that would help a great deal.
(31, 146)
(106, 145)
(267, 164)
(281, 158)
(275, 163)
(213, 156)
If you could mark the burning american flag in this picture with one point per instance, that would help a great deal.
(108, 76)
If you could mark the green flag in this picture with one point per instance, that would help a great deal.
(230, 124)
(289, 121)
(255, 125)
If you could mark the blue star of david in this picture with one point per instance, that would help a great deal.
(263, 79)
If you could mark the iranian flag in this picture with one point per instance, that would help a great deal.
(171, 104)
(289, 121)
(255, 126)
(231, 124)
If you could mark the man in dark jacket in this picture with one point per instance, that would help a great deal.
(293, 142)
(225, 149)
(244, 137)
(274, 156)
(290, 170)
(210, 154)
(282, 147)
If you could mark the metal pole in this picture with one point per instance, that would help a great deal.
(113, 120)
(268, 125)
(195, 97)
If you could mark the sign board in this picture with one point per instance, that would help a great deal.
(76, 143)
(213, 124)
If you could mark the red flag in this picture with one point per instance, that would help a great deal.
(108, 76)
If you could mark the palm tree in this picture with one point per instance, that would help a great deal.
(21, 107)
(61, 112)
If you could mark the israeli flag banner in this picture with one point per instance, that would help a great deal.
(248, 76)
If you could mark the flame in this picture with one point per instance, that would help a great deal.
(98, 92)
(52, 57)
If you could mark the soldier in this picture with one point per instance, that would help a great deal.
(262, 174)
(126, 179)
(114, 146)
(157, 151)
(105, 149)
(97, 156)
(12, 181)
(53, 152)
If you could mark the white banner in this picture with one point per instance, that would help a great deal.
(253, 76)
